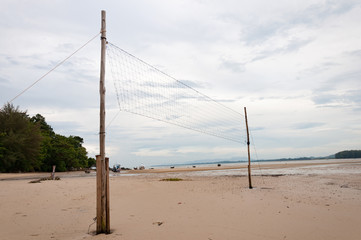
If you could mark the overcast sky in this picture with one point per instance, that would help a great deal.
(295, 65)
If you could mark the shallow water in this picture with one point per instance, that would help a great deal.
(259, 169)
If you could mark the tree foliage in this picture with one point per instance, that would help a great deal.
(20, 141)
(30, 144)
(349, 154)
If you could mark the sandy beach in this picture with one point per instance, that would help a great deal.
(292, 200)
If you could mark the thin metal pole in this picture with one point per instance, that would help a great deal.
(249, 155)
(102, 188)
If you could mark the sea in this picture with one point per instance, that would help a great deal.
(266, 168)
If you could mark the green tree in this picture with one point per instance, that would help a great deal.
(30, 144)
(20, 141)
(91, 162)
(45, 128)
(80, 151)
(48, 135)
(349, 154)
(2, 148)
(67, 153)
(62, 154)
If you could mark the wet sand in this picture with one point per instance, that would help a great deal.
(293, 200)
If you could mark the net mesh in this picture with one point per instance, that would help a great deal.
(145, 90)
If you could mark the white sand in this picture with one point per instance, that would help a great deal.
(302, 206)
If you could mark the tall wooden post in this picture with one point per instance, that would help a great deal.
(107, 207)
(249, 155)
(103, 225)
(100, 219)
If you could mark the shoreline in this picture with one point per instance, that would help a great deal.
(185, 168)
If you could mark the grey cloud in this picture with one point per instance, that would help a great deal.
(7, 91)
(324, 98)
(318, 12)
(60, 96)
(353, 96)
(292, 46)
(68, 127)
(350, 98)
(310, 16)
(170, 82)
(348, 76)
(194, 84)
(172, 117)
(296, 44)
(42, 67)
(225, 100)
(258, 34)
(12, 60)
(355, 53)
(307, 125)
(320, 68)
(232, 65)
(351, 78)
(257, 128)
(332, 7)
(65, 47)
(37, 61)
(4, 81)
(280, 97)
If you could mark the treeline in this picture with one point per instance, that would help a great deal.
(349, 154)
(29, 144)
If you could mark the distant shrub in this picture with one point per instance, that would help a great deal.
(44, 179)
(172, 179)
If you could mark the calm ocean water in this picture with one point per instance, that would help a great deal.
(346, 166)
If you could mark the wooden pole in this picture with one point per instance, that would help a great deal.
(103, 225)
(53, 173)
(249, 155)
(99, 166)
(107, 207)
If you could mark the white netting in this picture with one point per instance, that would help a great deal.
(144, 90)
